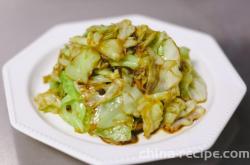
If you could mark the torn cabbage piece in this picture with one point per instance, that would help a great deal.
(172, 111)
(188, 120)
(72, 108)
(80, 40)
(112, 124)
(48, 102)
(131, 97)
(169, 51)
(151, 112)
(166, 96)
(190, 106)
(93, 98)
(130, 61)
(192, 86)
(111, 113)
(116, 135)
(125, 29)
(169, 76)
(112, 49)
(197, 89)
(157, 43)
(130, 42)
(73, 113)
(83, 65)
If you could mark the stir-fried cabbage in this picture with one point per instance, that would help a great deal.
(115, 81)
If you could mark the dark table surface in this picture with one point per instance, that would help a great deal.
(22, 21)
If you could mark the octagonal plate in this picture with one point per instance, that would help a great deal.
(23, 80)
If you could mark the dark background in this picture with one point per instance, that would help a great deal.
(22, 21)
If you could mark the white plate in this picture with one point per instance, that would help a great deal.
(23, 80)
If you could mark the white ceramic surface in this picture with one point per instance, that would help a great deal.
(23, 80)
